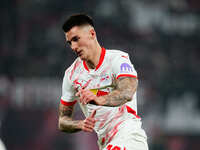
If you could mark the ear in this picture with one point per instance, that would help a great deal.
(93, 33)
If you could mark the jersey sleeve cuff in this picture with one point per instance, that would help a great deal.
(126, 75)
(67, 103)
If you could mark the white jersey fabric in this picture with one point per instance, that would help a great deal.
(2, 146)
(113, 64)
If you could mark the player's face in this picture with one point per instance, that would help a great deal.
(80, 39)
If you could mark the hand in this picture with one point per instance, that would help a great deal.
(86, 96)
(88, 124)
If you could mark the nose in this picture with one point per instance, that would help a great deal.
(74, 46)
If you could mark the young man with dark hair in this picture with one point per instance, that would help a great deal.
(104, 83)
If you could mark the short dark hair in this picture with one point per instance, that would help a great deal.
(77, 20)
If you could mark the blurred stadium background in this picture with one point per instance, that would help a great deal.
(162, 38)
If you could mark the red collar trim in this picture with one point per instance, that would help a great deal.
(103, 52)
(85, 66)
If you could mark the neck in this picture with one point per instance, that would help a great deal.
(94, 61)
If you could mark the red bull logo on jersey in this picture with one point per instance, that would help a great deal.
(98, 92)
(125, 67)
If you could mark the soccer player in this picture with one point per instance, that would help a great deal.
(104, 83)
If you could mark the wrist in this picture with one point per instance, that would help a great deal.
(80, 125)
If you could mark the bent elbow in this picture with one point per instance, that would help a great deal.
(60, 126)
(128, 99)
(128, 96)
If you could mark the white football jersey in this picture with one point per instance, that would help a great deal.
(113, 64)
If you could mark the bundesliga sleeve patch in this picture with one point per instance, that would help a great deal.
(126, 68)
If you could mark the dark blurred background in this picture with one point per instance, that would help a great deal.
(162, 38)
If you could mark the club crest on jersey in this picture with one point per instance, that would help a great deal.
(125, 68)
(104, 78)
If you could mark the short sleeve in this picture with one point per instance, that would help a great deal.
(68, 92)
(122, 66)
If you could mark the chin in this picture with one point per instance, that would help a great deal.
(82, 58)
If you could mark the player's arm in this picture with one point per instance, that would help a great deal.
(125, 88)
(67, 124)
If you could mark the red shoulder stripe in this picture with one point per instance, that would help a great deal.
(126, 75)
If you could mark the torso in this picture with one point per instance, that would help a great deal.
(100, 82)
